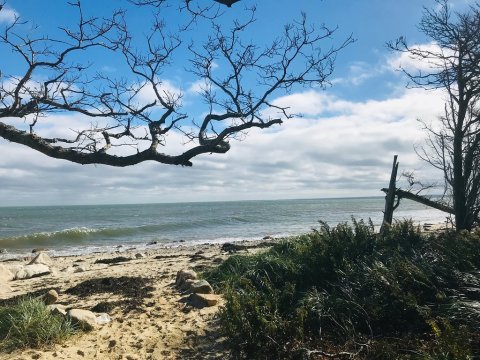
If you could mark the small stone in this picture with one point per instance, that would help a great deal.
(140, 255)
(51, 297)
(112, 343)
(204, 300)
(152, 243)
(79, 269)
(80, 352)
(85, 318)
(184, 275)
(33, 270)
(268, 237)
(201, 287)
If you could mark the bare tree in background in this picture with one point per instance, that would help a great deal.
(125, 131)
(454, 65)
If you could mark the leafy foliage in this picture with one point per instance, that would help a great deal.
(349, 289)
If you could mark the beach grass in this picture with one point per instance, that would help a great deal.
(348, 290)
(30, 324)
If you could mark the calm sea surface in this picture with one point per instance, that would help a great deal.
(83, 229)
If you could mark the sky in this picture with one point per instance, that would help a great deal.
(342, 146)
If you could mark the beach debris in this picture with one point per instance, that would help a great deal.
(132, 289)
(86, 319)
(114, 260)
(231, 247)
(196, 257)
(204, 300)
(51, 297)
(5, 274)
(30, 271)
(41, 258)
(201, 287)
(184, 275)
(37, 250)
(103, 319)
(140, 256)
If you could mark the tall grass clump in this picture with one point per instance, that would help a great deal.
(30, 324)
(348, 289)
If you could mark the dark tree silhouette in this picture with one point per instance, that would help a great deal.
(56, 78)
(454, 61)
(229, 3)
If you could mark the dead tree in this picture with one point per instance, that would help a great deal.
(454, 146)
(390, 196)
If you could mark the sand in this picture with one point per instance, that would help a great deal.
(163, 327)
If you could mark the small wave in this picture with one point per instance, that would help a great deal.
(66, 236)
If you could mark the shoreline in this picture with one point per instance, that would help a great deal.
(163, 327)
(8, 254)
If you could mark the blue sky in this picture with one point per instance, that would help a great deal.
(343, 146)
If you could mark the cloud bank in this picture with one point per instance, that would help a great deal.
(339, 148)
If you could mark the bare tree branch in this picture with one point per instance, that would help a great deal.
(454, 60)
(57, 79)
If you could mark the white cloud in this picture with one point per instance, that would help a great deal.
(414, 62)
(167, 89)
(358, 73)
(345, 152)
(8, 15)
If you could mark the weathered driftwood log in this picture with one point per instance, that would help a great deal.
(402, 194)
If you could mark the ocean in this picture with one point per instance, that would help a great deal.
(70, 230)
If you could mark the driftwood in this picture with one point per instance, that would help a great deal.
(393, 193)
(402, 194)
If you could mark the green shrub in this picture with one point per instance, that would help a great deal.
(346, 285)
(30, 323)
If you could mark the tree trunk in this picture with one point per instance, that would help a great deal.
(390, 198)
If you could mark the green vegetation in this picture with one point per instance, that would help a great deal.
(29, 323)
(346, 289)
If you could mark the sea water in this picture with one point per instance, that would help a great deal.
(68, 230)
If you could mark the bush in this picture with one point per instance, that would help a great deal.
(338, 287)
(30, 323)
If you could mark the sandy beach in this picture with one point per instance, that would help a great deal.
(161, 326)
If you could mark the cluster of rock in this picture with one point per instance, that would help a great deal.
(201, 292)
(85, 319)
(38, 266)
